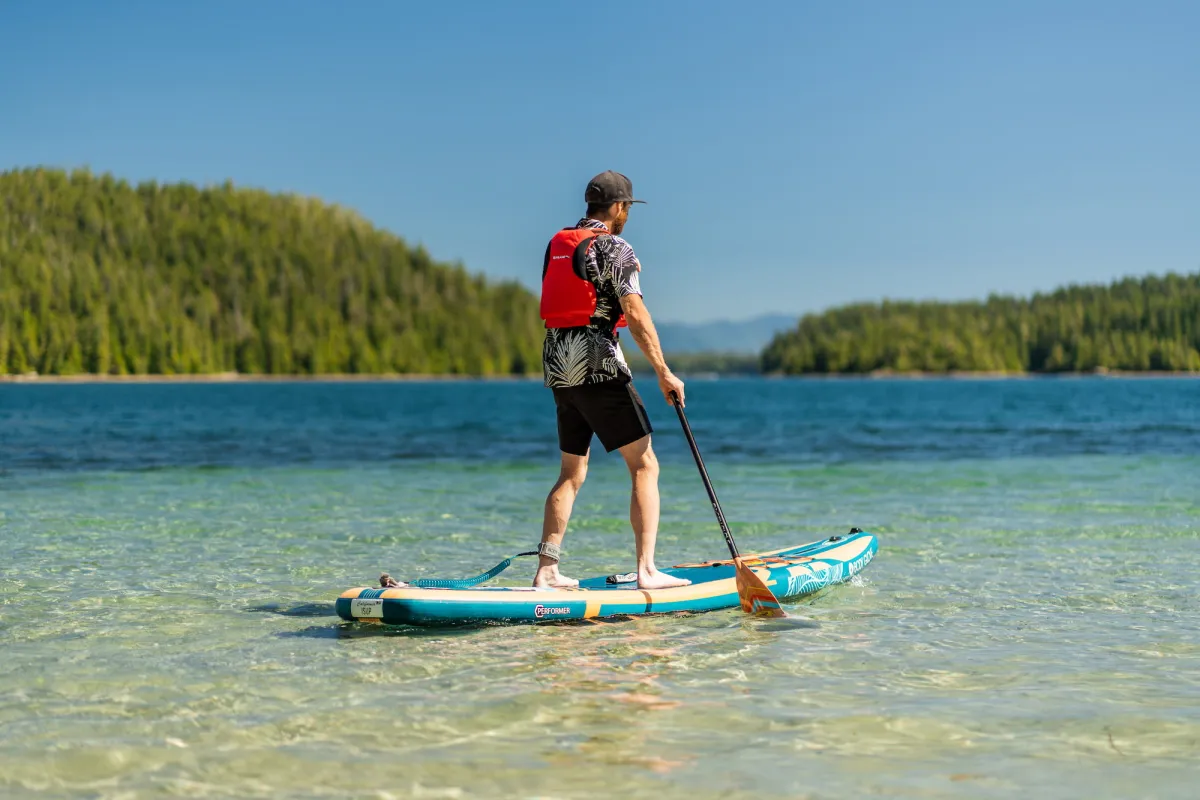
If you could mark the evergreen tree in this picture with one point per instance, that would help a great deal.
(103, 277)
(1150, 323)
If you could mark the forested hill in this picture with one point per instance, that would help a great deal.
(98, 276)
(1135, 324)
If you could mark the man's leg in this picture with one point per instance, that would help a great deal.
(558, 512)
(643, 513)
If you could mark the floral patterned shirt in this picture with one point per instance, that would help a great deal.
(592, 353)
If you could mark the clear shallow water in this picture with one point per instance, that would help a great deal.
(168, 557)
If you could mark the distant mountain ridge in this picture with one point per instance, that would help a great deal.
(747, 337)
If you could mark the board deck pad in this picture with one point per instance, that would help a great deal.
(790, 572)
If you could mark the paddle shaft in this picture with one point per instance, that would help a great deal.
(712, 495)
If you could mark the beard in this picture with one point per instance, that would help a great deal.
(618, 224)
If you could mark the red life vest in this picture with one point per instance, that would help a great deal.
(568, 297)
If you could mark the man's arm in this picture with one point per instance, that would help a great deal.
(637, 316)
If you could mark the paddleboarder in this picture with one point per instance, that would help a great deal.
(590, 288)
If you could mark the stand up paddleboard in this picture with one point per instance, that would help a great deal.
(790, 573)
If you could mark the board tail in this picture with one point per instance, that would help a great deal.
(753, 593)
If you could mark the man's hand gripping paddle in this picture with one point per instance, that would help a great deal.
(753, 593)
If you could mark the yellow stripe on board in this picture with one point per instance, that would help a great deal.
(696, 591)
(845, 553)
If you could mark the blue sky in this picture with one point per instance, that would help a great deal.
(796, 155)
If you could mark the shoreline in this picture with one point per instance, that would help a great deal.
(236, 377)
(886, 375)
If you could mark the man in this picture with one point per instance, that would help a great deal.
(590, 288)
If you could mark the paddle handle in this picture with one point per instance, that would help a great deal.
(712, 495)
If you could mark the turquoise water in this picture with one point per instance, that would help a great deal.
(169, 556)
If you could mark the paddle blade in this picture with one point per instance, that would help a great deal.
(753, 593)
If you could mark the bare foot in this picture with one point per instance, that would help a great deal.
(653, 579)
(550, 578)
(388, 582)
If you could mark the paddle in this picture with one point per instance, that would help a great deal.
(753, 593)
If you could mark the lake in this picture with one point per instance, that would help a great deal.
(169, 554)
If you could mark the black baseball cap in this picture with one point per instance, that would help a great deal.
(608, 188)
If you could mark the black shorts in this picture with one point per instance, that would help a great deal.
(611, 410)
